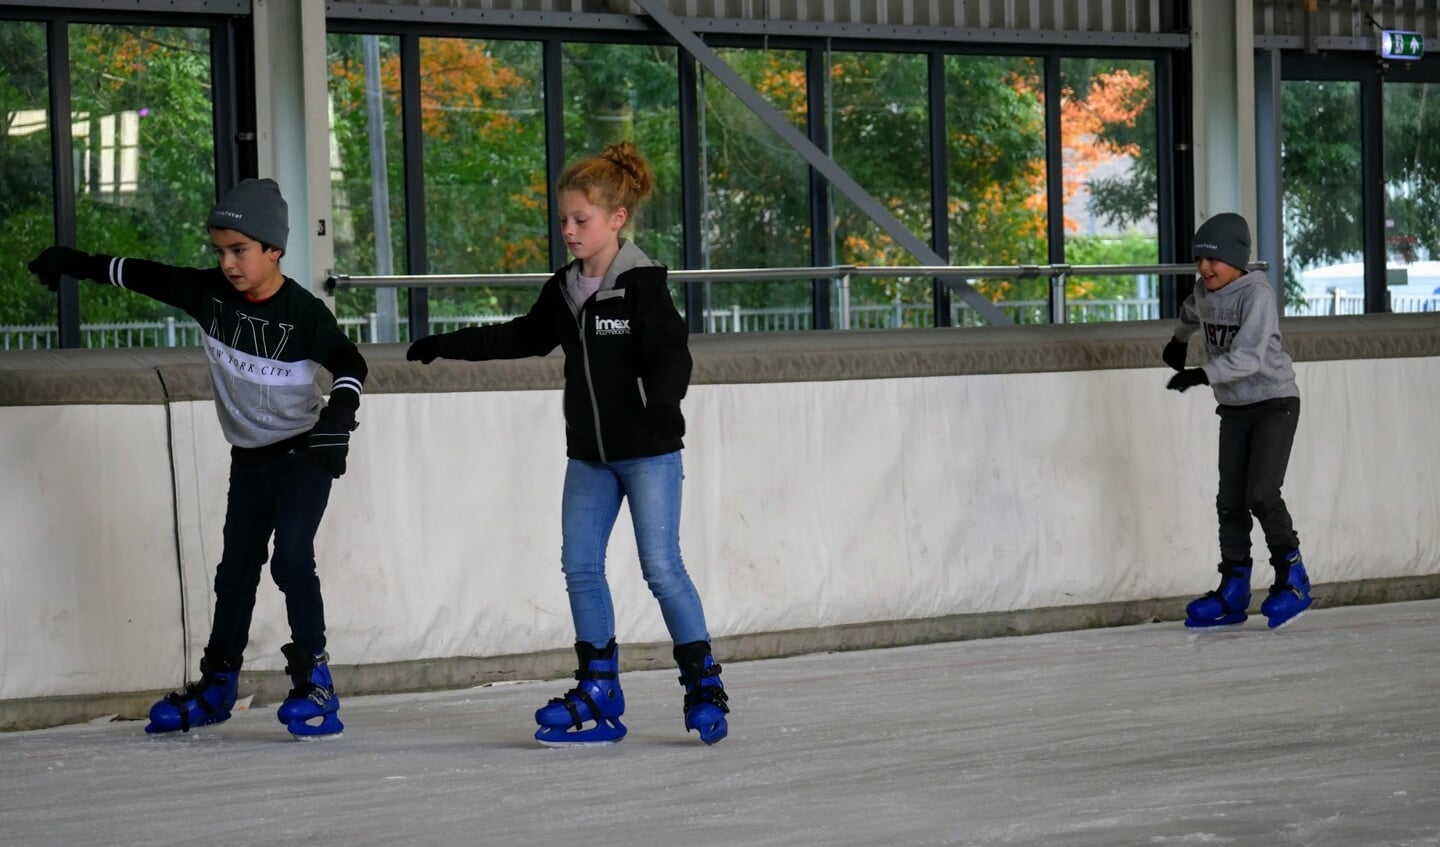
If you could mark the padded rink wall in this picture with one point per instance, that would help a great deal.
(843, 490)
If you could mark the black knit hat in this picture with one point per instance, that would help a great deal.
(1225, 237)
(254, 207)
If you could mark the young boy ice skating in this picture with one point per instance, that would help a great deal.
(1259, 408)
(265, 338)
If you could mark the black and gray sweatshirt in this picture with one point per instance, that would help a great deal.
(263, 357)
(626, 347)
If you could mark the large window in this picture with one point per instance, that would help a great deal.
(144, 166)
(879, 102)
(1412, 194)
(27, 223)
(1322, 183)
(757, 195)
(1107, 128)
(367, 179)
(995, 139)
(624, 92)
(482, 120)
(443, 146)
(141, 138)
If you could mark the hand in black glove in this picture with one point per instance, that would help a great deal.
(328, 443)
(54, 262)
(1174, 354)
(1188, 378)
(666, 420)
(424, 351)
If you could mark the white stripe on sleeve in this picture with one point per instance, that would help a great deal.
(349, 382)
(117, 267)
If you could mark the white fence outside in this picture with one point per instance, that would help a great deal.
(180, 332)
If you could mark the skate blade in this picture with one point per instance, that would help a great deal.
(1218, 623)
(328, 728)
(602, 735)
(562, 744)
(158, 732)
(328, 736)
(1292, 619)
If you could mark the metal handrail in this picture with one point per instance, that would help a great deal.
(335, 280)
(341, 280)
(952, 276)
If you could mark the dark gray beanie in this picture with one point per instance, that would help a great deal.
(254, 207)
(1225, 237)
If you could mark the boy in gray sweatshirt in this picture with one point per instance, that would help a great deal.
(1254, 383)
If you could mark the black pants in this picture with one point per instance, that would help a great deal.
(1255, 442)
(285, 498)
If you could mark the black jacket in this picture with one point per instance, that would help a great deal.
(628, 348)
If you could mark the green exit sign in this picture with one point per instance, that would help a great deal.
(1399, 44)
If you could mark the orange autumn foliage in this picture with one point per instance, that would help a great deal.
(457, 76)
(1118, 97)
(119, 55)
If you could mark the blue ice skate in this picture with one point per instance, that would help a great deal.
(1226, 605)
(589, 713)
(311, 711)
(1290, 595)
(706, 702)
(206, 701)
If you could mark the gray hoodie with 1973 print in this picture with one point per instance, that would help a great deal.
(1240, 325)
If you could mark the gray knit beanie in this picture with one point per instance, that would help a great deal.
(253, 207)
(1225, 237)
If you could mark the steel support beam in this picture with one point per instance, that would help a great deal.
(939, 183)
(692, 187)
(822, 217)
(293, 131)
(1269, 219)
(1372, 193)
(412, 134)
(62, 152)
(554, 105)
(816, 157)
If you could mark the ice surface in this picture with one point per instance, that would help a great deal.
(1323, 733)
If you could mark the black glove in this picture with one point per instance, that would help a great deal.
(328, 443)
(424, 351)
(1188, 378)
(57, 261)
(1174, 354)
(666, 420)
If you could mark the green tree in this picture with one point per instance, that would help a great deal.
(1114, 100)
(153, 82)
(1132, 248)
(1319, 164)
(757, 194)
(26, 219)
(156, 80)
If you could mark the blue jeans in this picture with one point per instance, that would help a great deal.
(589, 506)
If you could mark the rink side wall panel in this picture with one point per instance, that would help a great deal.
(842, 490)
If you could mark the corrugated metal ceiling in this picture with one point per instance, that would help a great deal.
(1112, 16)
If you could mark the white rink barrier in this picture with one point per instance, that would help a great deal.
(820, 494)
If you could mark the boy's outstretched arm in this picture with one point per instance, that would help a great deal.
(174, 286)
(57, 261)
